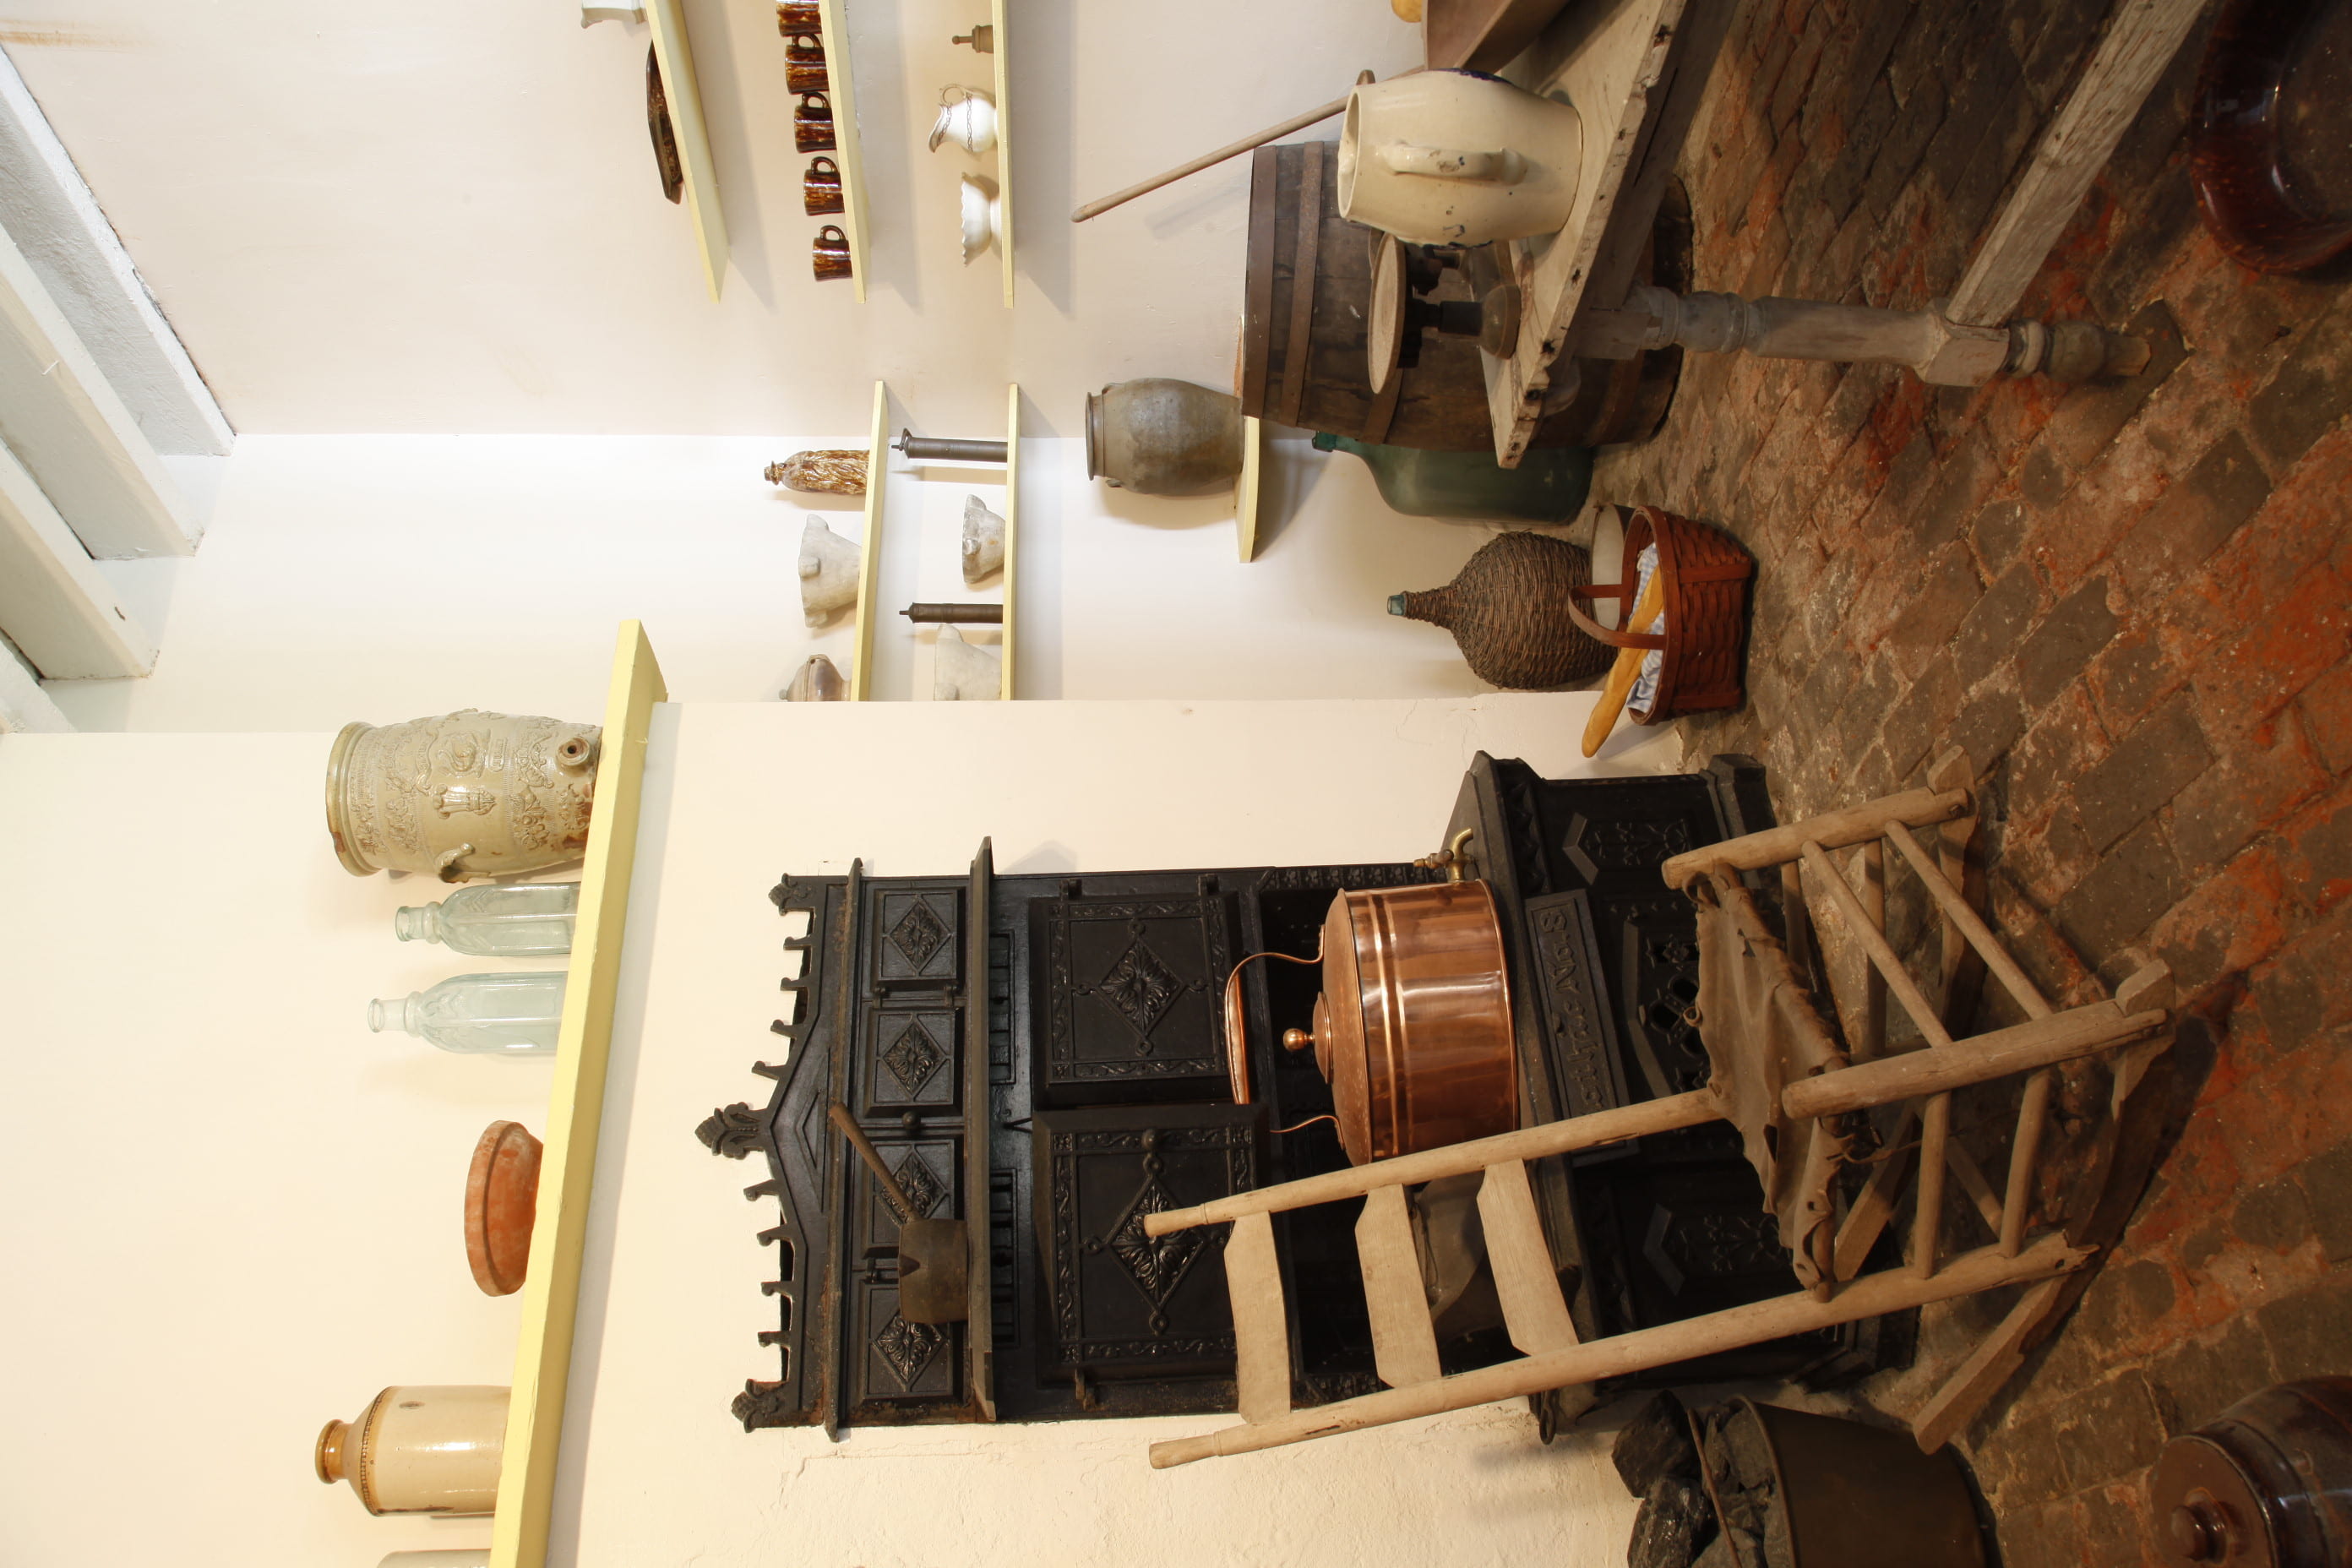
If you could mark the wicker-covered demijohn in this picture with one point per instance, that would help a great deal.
(1509, 610)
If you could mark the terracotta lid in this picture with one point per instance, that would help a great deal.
(502, 1203)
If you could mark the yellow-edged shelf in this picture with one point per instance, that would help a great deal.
(675, 56)
(1004, 689)
(1004, 247)
(869, 548)
(1246, 488)
(551, 1292)
(841, 95)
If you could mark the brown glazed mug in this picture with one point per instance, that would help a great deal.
(797, 16)
(830, 255)
(803, 63)
(813, 123)
(821, 187)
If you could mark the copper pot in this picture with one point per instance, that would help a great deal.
(1414, 1027)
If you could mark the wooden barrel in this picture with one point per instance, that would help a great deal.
(1305, 305)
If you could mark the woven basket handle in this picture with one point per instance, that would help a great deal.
(1600, 632)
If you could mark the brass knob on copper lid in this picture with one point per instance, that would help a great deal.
(1296, 1039)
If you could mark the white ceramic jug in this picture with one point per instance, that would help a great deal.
(1451, 158)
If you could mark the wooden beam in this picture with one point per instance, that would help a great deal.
(72, 432)
(1637, 1352)
(567, 1171)
(2141, 39)
(1831, 830)
(49, 212)
(56, 606)
(25, 708)
(2021, 1047)
(1591, 1132)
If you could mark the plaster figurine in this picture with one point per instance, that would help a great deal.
(962, 673)
(983, 543)
(816, 681)
(828, 573)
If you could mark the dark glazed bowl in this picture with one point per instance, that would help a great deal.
(2265, 211)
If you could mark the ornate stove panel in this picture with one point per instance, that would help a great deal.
(1123, 1302)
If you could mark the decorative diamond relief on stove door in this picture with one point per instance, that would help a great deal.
(1131, 997)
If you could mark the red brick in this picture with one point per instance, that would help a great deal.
(2326, 706)
(2228, 923)
(2249, 789)
(2293, 636)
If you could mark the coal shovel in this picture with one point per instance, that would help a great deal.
(933, 1258)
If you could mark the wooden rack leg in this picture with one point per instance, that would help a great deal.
(2033, 1116)
(1970, 925)
(1261, 1327)
(1867, 1220)
(1962, 970)
(1990, 1364)
(1874, 942)
(1873, 983)
(1927, 1220)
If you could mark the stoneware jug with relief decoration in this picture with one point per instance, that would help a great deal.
(466, 794)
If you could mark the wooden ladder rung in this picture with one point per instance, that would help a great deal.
(1261, 1329)
(1533, 1308)
(1404, 1343)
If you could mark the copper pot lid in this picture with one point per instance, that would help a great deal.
(501, 1206)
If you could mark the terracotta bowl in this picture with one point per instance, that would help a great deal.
(501, 1203)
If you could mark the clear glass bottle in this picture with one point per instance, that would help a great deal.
(530, 919)
(515, 1013)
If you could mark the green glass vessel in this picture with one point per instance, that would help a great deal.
(1549, 485)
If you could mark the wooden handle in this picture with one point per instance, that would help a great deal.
(1628, 667)
(839, 1115)
(1300, 122)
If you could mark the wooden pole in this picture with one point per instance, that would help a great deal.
(1208, 160)
(1637, 1352)
(1873, 910)
(2021, 1047)
(1601, 1126)
(1927, 1215)
(1832, 830)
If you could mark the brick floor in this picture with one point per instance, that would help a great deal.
(2131, 602)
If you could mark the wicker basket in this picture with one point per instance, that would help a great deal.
(1704, 576)
(1507, 608)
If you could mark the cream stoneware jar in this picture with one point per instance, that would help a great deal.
(419, 1448)
(464, 794)
(1451, 158)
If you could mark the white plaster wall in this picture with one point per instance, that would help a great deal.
(655, 1470)
(445, 217)
(234, 1213)
(383, 577)
(196, 1108)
